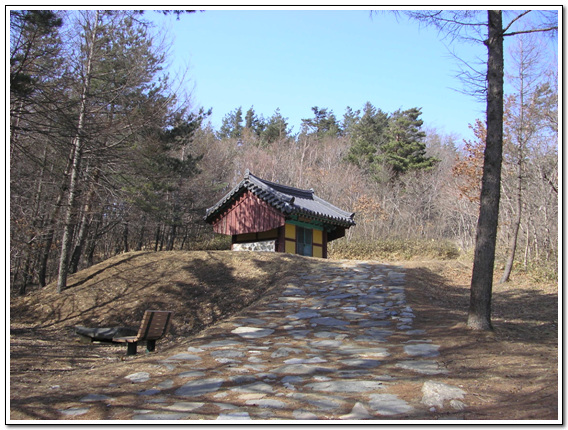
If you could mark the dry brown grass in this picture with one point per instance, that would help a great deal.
(200, 287)
(512, 372)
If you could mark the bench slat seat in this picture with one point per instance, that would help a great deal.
(154, 326)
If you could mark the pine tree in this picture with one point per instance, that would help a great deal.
(404, 148)
(276, 128)
(323, 124)
(366, 136)
(232, 125)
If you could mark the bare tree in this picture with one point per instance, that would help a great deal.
(460, 25)
(91, 29)
(522, 125)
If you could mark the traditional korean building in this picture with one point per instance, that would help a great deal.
(263, 215)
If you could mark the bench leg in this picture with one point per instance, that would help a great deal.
(131, 348)
(150, 345)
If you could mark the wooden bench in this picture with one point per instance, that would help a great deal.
(154, 326)
(103, 334)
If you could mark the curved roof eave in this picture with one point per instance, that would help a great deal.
(288, 200)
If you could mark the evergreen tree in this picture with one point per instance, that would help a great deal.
(404, 148)
(350, 119)
(33, 36)
(276, 128)
(367, 135)
(390, 145)
(253, 123)
(232, 125)
(323, 124)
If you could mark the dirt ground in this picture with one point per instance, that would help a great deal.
(511, 373)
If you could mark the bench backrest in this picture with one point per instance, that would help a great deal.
(154, 325)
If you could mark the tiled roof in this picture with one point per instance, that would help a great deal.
(287, 200)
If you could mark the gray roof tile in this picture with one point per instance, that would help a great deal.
(288, 200)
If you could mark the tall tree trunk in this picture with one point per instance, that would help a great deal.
(92, 243)
(125, 236)
(48, 237)
(84, 225)
(78, 142)
(479, 315)
(141, 237)
(171, 237)
(516, 223)
(157, 241)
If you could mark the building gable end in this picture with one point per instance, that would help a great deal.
(248, 214)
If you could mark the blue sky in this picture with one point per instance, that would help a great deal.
(297, 59)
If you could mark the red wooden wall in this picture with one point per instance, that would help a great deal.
(248, 214)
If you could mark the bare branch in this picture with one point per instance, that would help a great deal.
(536, 30)
(515, 20)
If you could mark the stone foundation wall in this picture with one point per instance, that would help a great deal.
(264, 245)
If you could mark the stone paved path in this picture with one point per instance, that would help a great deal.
(338, 345)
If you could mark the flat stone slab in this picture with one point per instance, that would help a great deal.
(364, 363)
(322, 403)
(285, 352)
(425, 367)
(168, 383)
(422, 350)
(95, 398)
(191, 374)
(255, 387)
(199, 387)
(326, 343)
(436, 393)
(184, 406)
(300, 369)
(313, 360)
(72, 412)
(267, 403)
(149, 392)
(300, 414)
(252, 332)
(184, 356)
(329, 321)
(371, 352)
(236, 415)
(227, 353)
(256, 321)
(339, 296)
(350, 386)
(160, 416)
(138, 377)
(221, 343)
(304, 314)
(388, 404)
(359, 412)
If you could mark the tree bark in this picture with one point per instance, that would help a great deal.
(516, 221)
(479, 316)
(82, 234)
(78, 142)
(47, 239)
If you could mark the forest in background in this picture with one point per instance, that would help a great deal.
(108, 155)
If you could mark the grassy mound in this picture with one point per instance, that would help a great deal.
(200, 287)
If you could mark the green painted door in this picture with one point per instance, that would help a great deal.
(304, 241)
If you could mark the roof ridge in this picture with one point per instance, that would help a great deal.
(271, 183)
(263, 184)
(285, 198)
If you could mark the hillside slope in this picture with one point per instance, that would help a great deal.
(200, 287)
